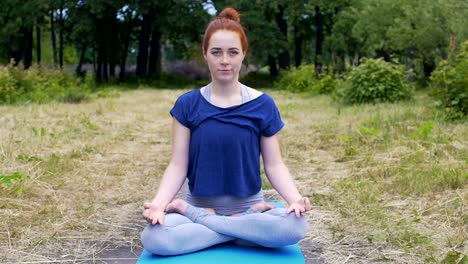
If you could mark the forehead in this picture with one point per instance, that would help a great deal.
(225, 39)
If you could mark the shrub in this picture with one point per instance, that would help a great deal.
(257, 80)
(450, 81)
(40, 85)
(303, 79)
(9, 86)
(376, 81)
(297, 79)
(327, 82)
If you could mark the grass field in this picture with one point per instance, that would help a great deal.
(388, 182)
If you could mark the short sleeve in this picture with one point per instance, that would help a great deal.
(180, 110)
(272, 123)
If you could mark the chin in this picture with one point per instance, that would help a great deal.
(225, 79)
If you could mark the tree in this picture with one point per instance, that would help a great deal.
(16, 34)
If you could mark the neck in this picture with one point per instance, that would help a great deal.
(225, 90)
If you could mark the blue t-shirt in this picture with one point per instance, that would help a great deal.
(224, 153)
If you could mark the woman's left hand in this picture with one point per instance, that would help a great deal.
(300, 206)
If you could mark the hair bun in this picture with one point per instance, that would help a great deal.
(230, 13)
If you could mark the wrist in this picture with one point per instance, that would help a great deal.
(295, 199)
(159, 203)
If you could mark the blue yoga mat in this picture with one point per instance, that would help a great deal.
(230, 253)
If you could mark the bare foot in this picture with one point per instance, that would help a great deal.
(262, 207)
(177, 206)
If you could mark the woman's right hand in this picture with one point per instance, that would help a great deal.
(153, 213)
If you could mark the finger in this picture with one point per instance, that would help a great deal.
(147, 205)
(308, 206)
(290, 209)
(161, 220)
(298, 213)
(145, 213)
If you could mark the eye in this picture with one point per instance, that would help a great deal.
(216, 52)
(233, 52)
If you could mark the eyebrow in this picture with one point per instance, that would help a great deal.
(216, 49)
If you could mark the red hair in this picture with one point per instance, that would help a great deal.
(228, 19)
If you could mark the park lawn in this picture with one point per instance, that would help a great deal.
(393, 176)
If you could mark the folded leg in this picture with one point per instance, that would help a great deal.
(273, 228)
(179, 235)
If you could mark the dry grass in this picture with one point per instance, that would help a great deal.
(388, 185)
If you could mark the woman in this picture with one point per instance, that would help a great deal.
(219, 133)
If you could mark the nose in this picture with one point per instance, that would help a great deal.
(225, 59)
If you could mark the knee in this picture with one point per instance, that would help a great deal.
(299, 227)
(293, 230)
(155, 239)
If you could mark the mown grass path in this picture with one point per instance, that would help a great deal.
(388, 182)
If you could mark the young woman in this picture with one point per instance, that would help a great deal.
(219, 133)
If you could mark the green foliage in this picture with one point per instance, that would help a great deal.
(69, 55)
(9, 86)
(299, 79)
(327, 82)
(376, 81)
(451, 83)
(40, 85)
(455, 257)
(303, 79)
(257, 80)
(11, 181)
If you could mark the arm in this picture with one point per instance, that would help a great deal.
(174, 175)
(279, 176)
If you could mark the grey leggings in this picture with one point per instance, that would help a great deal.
(198, 230)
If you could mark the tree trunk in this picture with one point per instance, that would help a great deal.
(123, 56)
(79, 70)
(409, 64)
(143, 43)
(283, 58)
(273, 67)
(52, 31)
(105, 69)
(28, 46)
(99, 69)
(356, 59)
(318, 39)
(297, 47)
(113, 48)
(61, 34)
(38, 44)
(154, 66)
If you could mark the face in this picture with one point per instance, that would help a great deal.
(224, 56)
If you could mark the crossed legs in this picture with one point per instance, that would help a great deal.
(188, 229)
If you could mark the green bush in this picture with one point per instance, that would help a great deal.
(304, 79)
(9, 86)
(297, 79)
(40, 85)
(450, 80)
(257, 80)
(375, 81)
(327, 82)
